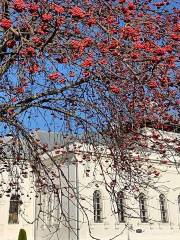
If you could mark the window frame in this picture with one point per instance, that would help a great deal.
(120, 207)
(163, 208)
(14, 209)
(97, 206)
(143, 208)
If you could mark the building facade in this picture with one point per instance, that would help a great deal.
(152, 213)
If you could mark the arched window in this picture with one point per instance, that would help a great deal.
(120, 207)
(97, 203)
(179, 203)
(14, 209)
(143, 208)
(163, 208)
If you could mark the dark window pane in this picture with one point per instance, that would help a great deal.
(143, 208)
(163, 208)
(120, 207)
(14, 209)
(97, 206)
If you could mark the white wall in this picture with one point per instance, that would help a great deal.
(169, 184)
(11, 231)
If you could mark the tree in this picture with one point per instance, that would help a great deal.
(96, 71)
(22, 235)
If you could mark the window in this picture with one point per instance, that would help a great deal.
(120, 207)
(163, 208)
(97, 203)
(143, 208)
(14, 209)
(56, 208)
(179, 203)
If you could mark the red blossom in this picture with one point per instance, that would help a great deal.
(135, 55)
(81, 44)
(65, 60)
(62, 60)
(168, 48)
(23, 82)
(159, 4)
(103, 47)
(177, 27)
(29, 51)
(77, 12)
(103, 61)
(91, 21)
(77, 30)
(60, 21)
(37, 40)
(87, 62)
(72, 74)
(14, 99)
(10, 43)
(140, 15)
(20, 89)
(131, 6)
(86, 74)
(57, 8)
(160, 51)
(111, 20)
(47, 17)
(153, 84)
(115, 89)
(87, 42)
(5, 23)
(114, 44)
(129, 32)
(165, 80)
(34, 68)
(33, 7)
(42, 29)
(19, 5)
(171, 61)
(76, 44)
(155, 59)
(54, 76)
(175, 37)
(62, 80)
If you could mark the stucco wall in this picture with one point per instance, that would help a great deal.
(26, 215)
(169, 184)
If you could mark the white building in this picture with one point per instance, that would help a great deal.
(150, 215)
